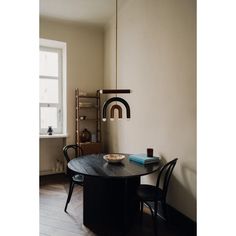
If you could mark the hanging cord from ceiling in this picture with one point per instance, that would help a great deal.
(116, 42)
(116, 91)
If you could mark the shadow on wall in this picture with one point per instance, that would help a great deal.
(179, 194)
(110, 137)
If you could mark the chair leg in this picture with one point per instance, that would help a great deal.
(154, 215)
(155, 218)
(164, 209)
(69, 194)
(141, 212)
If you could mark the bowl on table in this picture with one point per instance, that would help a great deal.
(114, 158)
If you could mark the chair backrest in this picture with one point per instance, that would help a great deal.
(75, 148)
(163, 178)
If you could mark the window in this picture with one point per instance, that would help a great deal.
(52, 86)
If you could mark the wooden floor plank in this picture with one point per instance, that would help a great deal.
(55, 222)
(50, 230)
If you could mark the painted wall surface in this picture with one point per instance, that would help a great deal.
(157, 61)
(85, 47)
(50, 152)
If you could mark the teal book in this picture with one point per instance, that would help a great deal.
(143, 158)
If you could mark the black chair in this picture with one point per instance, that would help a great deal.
(74, 178)
(150, 194)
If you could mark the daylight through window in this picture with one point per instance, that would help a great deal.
(52, 86)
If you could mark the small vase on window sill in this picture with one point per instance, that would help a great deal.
(50, 130)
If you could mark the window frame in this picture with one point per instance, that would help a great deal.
(60, 47)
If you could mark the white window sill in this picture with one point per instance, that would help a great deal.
(53, 136)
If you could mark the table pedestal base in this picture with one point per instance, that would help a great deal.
(110, 204)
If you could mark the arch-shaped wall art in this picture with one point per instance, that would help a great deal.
(115, 99)
(112, 111)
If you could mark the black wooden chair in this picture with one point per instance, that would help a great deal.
(74, 178)
(149, 194)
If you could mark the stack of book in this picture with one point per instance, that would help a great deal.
(143, 158)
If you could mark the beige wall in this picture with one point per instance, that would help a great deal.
(84, 70)
(157, 61)
(50, 152)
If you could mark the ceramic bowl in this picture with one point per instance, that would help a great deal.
(114, 158)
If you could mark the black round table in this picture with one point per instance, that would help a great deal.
(110, 201)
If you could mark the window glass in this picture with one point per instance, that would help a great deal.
(48, 117)
(48, 63)
(52, 86)
(48, 91)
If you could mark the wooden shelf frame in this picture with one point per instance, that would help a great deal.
(77, 115)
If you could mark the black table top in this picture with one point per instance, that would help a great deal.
(95, 165)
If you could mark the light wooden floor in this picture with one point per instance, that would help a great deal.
(55, 222)
(53, 219)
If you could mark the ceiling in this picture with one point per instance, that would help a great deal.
(95, 12)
